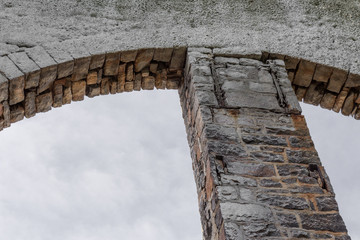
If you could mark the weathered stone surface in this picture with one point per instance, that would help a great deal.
(137, 82)
(291, 62)
(224, 149)
(262, 229)
(173, 83)
(218, 132)
(143, 59)
(238, 180)
(302, 156)
(47, 65)
(353, 80)
(251, 169)
(148, 83)
(128, 56)
(6, 114)
(340, 99)
(92, 91)
(305, 73)
(326, 204)
(67, 94)
(111, 66)
(78, 90)
(264, 140)
(287, 220)
(337, 80)
(270, 183)
(121, 77)
(300, 93)
(292, 170)
(248, 99)
(296, 233)
(16, 80)
(315, 93)
(92, 78)
(4, 85)
(97, 61)
(283, 201)
(28, 67)
(322, 73)
(267, 156)
(323, 222)
(348, 104)
(105, 86)
(163, 54)
(130, 72)
(64, 60)
(58, 94)
(129, 86)
(245, 212)
(328, 100)
(16, 113)
(44, 102)
(153, 67)
(178, 58)
(81, 68)
(301, 142)
(30, 105)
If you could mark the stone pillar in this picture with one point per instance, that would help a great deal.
(257, 172)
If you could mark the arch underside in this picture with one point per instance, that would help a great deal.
(36, 80)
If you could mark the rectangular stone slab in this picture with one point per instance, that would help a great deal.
(16, 80)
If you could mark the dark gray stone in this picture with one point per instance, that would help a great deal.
(323, 222)
(284, 201)
(264, 140)
(326, 204)
(251, 169)
(303, 156)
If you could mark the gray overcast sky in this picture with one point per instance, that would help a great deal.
(119, 167)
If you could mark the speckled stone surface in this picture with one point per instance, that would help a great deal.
(323, 31)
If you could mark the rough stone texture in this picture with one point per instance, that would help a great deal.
(258, 175)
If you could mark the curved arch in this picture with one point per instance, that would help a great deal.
(36, 80)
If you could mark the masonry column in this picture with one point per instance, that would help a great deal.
(257, 173)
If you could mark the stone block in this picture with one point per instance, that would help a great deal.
(128, 56)
(111, 66)
(264, 140)
(327, 203)
(323, 222)
(238, 180)
(349, 104)
(6, 114)
(113, 87)
(173, 83)
(137, 82)
(28, 67)
(287, 202)
(78, 90)
(328, 100)
(291, 62)
(304, 74)
(47, 65)
(67, 97)
(81, 68)
(178, 58)
(270, 183)
(16, 113)
(121, 77)
(129, 86)
(148, 83)
(130, 72)
(315, 93)
(105, 86)
(163, 54)
(143, 59)
(300, 93)
(340, 99)
(30, 105)
(57, 94)
(322, 73)
(244, 212)
(292, 170)
(287, 220)
(16, 80)
(65, 62)
(250, 100)
(303, 156)
(153, 67)
(92, 78)
(97, 61)
(251, 169)
(44, 102)
(353, 81)
(337, 80)
(4, 86)
(93, 90)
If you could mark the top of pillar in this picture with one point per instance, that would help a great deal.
(323, 31)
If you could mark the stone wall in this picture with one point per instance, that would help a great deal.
(258, 175)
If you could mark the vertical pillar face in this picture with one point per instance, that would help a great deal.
(257, 173)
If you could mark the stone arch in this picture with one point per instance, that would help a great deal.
(37, 79)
